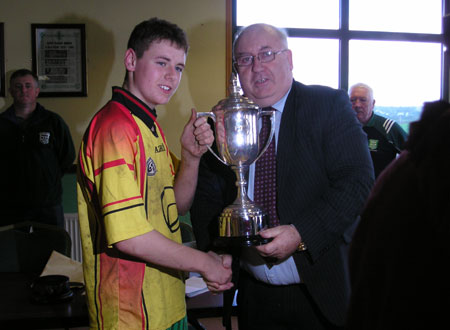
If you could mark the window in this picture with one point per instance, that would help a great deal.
(323, 51)
(415, 16)
(314, 14)
(395, 46)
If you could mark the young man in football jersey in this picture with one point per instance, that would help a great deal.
(131, 190)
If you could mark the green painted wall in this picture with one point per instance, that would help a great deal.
(70, 193)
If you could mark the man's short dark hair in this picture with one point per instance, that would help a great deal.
(155, 29)
(23, 73)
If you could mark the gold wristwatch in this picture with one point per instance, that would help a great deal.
(301, 246)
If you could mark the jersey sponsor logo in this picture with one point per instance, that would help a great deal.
(373, 144)
(44, 137)
(160, 148)
(151, 167)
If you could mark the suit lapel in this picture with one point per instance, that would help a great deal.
(287, 137)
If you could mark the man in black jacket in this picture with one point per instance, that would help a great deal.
(324, 175)
(37, 149)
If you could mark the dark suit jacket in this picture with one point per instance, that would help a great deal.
(324, 175)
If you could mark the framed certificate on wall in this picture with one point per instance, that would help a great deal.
(59, 59)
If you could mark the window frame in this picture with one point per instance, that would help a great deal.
(344, 35)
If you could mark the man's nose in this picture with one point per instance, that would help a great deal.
(257, 64)
(356, 103)
(170, 73)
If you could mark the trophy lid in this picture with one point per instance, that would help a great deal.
(236, 101)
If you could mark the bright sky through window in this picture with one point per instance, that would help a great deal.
(312, 14)
(402, 74)
(417, 16)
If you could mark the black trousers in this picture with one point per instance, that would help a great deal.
(264, 306)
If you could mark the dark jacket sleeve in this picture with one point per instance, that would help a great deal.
(216, 189)
(325, 172)
(324, 176)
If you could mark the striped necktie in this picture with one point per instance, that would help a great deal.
(265, 183)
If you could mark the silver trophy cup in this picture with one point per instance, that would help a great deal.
(236, 123)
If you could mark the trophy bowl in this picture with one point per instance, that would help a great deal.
(237, 125)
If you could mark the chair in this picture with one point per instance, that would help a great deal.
(26, 246)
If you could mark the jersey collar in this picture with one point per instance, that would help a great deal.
(136, 106)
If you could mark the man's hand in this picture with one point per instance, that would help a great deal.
(222, 272)
(197, 136)
(286, 239)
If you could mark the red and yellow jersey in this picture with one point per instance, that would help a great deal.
(125, 189)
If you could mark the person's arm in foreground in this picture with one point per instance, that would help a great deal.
(153, 247)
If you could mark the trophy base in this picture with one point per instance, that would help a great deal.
(240, 241)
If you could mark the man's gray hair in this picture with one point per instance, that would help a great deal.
(362, 85)
(282, 33)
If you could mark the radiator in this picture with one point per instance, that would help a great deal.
(72, 227)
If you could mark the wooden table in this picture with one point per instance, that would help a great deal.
(18, 311)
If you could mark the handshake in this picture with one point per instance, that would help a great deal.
(217, 275)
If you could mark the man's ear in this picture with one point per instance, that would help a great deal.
(130, 59)
(291, 62)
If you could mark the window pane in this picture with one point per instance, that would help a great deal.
(416, 16)
(313, 14)
(403, 75)
(316, 61)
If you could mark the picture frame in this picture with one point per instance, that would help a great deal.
(2, 61)
(59, 59)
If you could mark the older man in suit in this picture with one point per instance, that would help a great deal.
(323, 177)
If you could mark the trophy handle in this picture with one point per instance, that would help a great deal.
(270, 113)
(211, 115)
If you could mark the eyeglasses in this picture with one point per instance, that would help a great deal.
(263, 57)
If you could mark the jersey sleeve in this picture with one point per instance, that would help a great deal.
(398, 136)
(175, 161)
(113, 154)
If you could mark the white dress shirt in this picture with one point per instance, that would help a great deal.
(282, 273)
